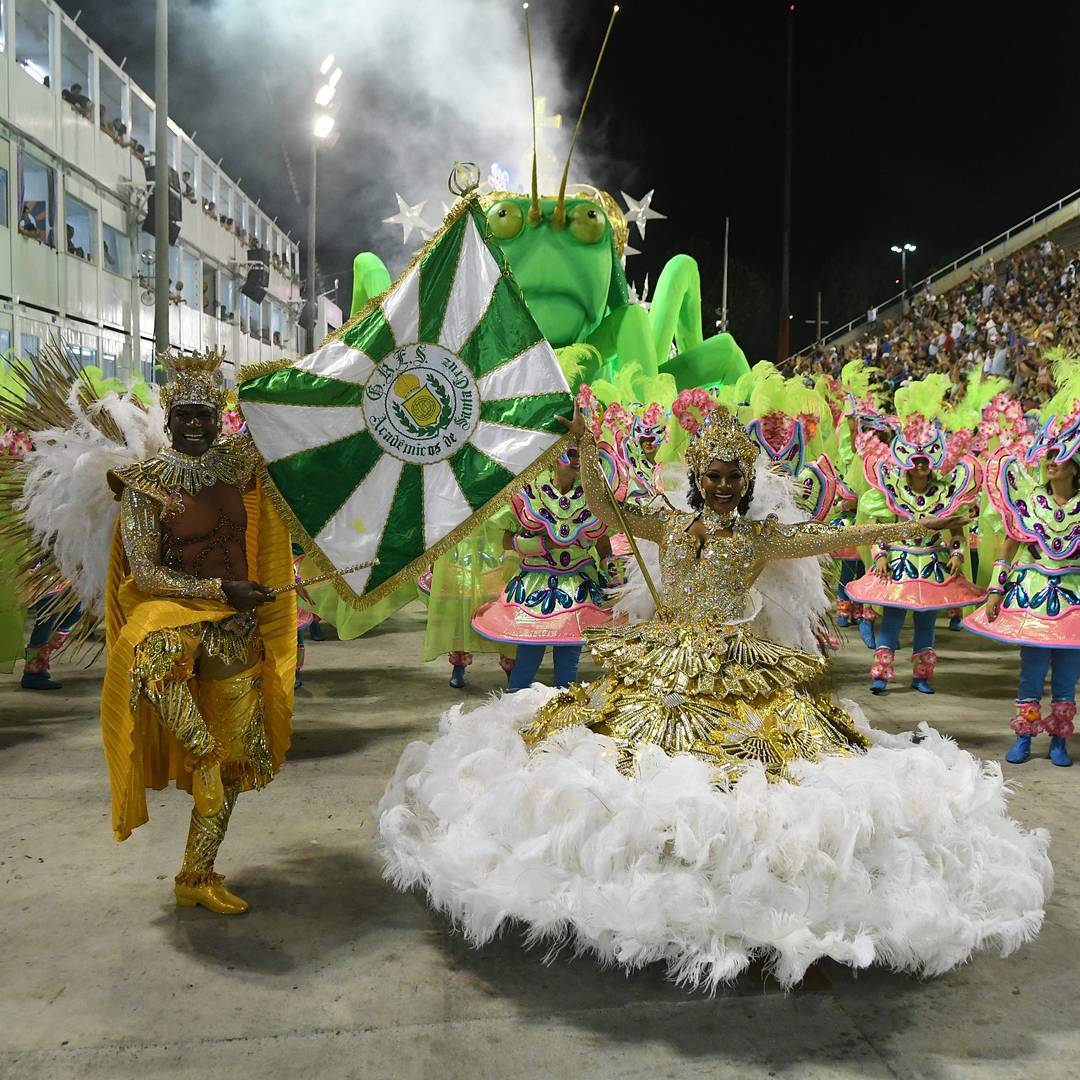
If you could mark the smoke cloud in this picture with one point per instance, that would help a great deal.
(425, 83)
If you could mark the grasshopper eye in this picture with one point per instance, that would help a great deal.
(505, 220)
(587, 222)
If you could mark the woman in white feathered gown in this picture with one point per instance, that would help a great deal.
(706, 801)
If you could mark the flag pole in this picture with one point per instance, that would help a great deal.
(296, 585)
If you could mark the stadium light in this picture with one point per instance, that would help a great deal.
(327, 64)
(324, 124)
(325, 95)
(902, 251)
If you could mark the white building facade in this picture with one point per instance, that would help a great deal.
(76, 134)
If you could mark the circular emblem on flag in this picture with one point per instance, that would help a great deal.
(421, 403)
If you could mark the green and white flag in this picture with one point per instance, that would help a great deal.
(417, 420)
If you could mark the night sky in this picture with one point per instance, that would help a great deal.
(936, 123)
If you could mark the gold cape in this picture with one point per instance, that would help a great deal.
(139, 752)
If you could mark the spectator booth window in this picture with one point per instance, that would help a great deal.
(175, 281)
(189, 171)
(192, 277)
(209, 187)
(142, 123)
(82, 349)
(76, 72)
(276, 317)
(209, 290)
(3, 184)
(254, 226)
(174, 151)
(37, 199)
(227, 294)
(3, 47)
(112, 114)
(33, 40)
(80, 226)
(29, 346)
(117, 251)
(110, 358)
(265, 322)
(225, 201)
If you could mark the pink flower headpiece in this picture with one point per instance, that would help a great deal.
(691, 407)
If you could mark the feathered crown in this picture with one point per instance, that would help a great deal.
(720, 436)
(1059, 431)
(194, 379)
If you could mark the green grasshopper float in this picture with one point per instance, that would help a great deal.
(566, 255)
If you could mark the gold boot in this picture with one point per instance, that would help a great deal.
(197, 883)
(208, 791)
(211, 895)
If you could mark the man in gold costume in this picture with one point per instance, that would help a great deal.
(201, 652)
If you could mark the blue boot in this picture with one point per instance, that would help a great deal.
(866, 632)
(843, 620)
(879, 686)
(315, 631)
(457, 677)
(956, 623)
(39, 680)
(1021, 750)
(1059, 754)
(922, 685)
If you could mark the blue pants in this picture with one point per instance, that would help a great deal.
(44, 629)
(892, 621)
(527, 664)
(850, 569)
(1063, 666)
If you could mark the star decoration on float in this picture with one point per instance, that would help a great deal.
(641, 298)
(410, 218)
(639, 212)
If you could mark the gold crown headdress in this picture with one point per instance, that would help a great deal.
(721, 437)
(194, 379)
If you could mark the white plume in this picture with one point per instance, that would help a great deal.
(902, 856)
(66, 501)
(789, 597)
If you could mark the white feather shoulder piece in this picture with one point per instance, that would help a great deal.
(66, 503)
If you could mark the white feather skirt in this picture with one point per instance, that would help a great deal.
(903, 856)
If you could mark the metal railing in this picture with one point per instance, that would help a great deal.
(971, 256)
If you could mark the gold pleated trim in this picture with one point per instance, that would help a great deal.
(727, 697)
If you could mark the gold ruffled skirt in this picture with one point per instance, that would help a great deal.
(720, 693)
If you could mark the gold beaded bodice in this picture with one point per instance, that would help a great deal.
(706, 580)
(709, 580)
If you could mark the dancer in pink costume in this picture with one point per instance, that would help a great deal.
(920, 475)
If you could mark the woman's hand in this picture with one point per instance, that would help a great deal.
(944, 524)
(881, 566)
(246, 595)
(575, 425)
(993, 607)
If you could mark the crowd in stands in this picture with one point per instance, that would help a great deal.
(116, 129)
(1001, 319)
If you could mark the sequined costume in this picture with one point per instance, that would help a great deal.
(923, 575)
(190, 683)
(706, 803)
(694, 678)
(558, 592)
(1037, 582)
